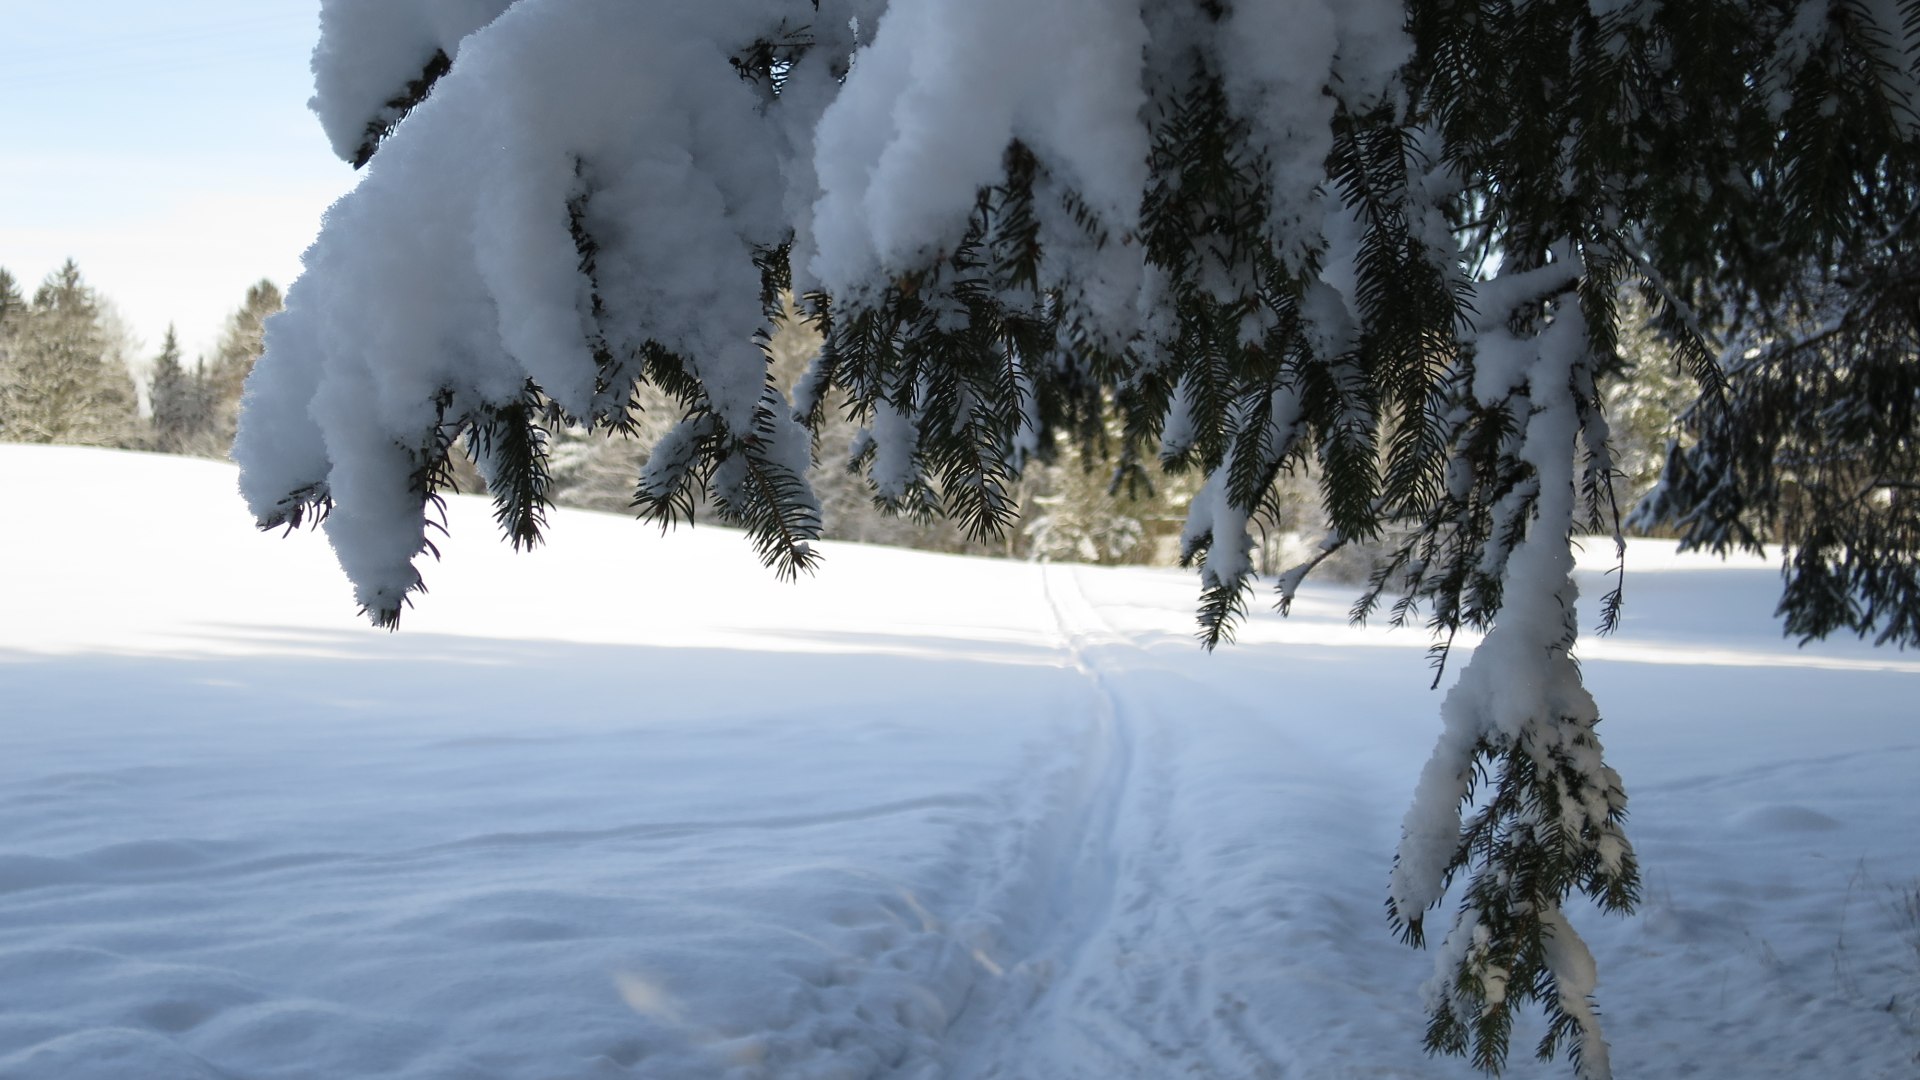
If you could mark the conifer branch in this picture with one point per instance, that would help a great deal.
(396, 108)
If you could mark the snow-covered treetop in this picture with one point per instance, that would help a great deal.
(1381, 240)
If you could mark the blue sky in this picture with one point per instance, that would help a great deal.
(166, 147)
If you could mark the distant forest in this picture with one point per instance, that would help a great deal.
(66, 372)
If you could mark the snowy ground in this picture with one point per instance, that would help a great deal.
(627, 807)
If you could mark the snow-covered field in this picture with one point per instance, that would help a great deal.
(628, 807)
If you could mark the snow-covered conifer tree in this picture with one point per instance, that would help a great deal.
(181, 399)
(63, 366)
(12, 301)
(242, 340)
(1380, 240)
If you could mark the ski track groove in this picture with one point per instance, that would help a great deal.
(1122, 989)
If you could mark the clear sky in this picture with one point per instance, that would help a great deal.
(164, 146)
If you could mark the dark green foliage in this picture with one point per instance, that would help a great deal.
(509, 443)
(182, 400)
(1519, 907)
(1811, 441)
(951, 351)
(430, 477)
(1818, 445)
(309, 506)
(744, 477)
(767, 498)
(398, 106)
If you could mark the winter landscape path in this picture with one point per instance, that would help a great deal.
(628, 807)
(1118, 984)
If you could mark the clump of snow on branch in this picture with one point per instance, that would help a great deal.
(924, 121)
(1520, 703)
(1278, 56)
(370, 50)
(870, 175)
(381, 340)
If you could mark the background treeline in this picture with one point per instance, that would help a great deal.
(67, 372)
(66, 376)
(195, 410)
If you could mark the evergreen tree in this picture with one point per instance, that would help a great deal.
(63, 371)
(1816, 443)
(183, 403)
(224, 377)
(242, 340)
(1643, 401)
(1377, 241)
(12, 302)
(1080, 507)
(13, 309)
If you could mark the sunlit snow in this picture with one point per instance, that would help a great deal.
(629, 807)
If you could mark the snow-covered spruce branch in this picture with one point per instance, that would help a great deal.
(1519, 720)
(1262, 230)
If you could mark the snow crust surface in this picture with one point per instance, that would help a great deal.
(626, 807)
